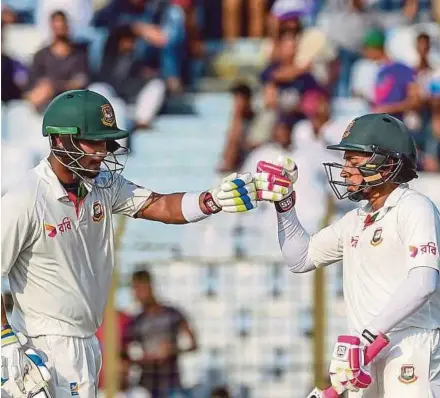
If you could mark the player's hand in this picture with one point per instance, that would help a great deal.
(350, 365)
(237, 193)
(18, 363)
(274, 182)
(36, 379)
(13, 357)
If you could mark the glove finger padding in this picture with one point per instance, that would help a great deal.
(271, 187)
(276, 178)
(235, 181)
(240, 208)
(289, 167)
(17, 368)
(237, 193)
(249, 190)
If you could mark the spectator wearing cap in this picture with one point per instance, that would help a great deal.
(395, 91)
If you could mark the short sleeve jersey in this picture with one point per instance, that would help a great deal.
(59, 257)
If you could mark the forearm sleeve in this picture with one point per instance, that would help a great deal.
(414, 291)
(294, 242)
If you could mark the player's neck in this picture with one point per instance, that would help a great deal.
(379, 196)
(62, 172)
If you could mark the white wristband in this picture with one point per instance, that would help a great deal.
(191, 207)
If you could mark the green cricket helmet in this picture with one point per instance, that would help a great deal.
(392, 149)
(84, 115)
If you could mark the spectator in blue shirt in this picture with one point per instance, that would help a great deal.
(161, 28)
(394, 81)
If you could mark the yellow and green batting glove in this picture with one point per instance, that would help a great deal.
(274, 182)
(237, 193)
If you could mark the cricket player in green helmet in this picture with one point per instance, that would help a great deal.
(83, 134)
(389, 248)
(392, 156)
(58, 245)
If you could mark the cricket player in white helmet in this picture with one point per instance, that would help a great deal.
(390, 253)
(57, 244)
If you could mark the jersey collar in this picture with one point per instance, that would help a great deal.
(390, 202)
(46, 172)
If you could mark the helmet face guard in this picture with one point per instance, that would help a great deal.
(380, 168)
(70, 154)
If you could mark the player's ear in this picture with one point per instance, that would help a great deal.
(56, 141)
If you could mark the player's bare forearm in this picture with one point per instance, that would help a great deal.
(167, 208)
(4, 318)
(398, 107)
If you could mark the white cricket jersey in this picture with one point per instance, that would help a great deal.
(59, 259)
(377, 258)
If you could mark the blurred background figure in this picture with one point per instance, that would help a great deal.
(58, 67)
(152, 341)
(392, 89)
(237, 145)
(220, 392)
(126, 81)
(160, 26)
(208, 88)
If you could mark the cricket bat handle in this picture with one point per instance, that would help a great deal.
(371, 352)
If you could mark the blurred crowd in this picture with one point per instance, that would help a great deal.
(132, 51)
(382, 55)
(141, 54)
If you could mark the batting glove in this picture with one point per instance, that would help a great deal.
(17, 363)
(350, 366)
(274, 182)
(236, 194)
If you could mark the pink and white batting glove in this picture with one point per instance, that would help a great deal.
(274, 182)
(350, 367)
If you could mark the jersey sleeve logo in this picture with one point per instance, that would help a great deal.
(427, 248)
(97, 211)
(430, 248)
(377, 237)
(413, 251)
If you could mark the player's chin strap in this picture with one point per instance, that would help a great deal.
(36, 380)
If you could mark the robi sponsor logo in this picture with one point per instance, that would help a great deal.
(63, 226)
(428, 248)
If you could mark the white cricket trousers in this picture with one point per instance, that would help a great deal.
(408, 368)
(73, 362)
